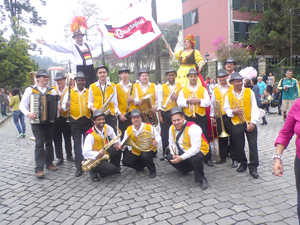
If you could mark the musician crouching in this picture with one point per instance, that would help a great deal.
(80, 116)
(62, 127)
(188, 147)
(95, 141)
(240, 105)
(194, 99)
(125, 99)
(168, 95)
(218, 97)
(42, 132)
(133, 157)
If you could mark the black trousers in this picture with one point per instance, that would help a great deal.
(124, 124)
(78, 129)
(104, 169)
(194, 163)
(270, 89)
(43, 152)
(202, 122)
(111, 121)
(165, 129)
(224, 145)
(238, 141)
(297, 175)
(89, 73)
(62, 127)
(139, 162)
(114, 156)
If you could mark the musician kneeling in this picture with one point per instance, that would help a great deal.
(135, 158)
(96, 139)
(191, 147)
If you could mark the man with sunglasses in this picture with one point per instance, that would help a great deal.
(230, 65)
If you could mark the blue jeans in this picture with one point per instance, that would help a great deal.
(3, 109)
(19, 115)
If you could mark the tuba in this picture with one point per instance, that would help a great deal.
(144, 141)
(90, 163)
(145, 108)
(104, 109)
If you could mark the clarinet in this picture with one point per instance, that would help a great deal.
(128, 103)
(69, 100)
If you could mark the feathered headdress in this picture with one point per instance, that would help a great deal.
(77, 23)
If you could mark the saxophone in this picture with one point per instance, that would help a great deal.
(90, 163)
(104, 109)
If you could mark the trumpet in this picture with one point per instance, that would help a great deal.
(192, 106)
(169, 99)
(242, 116)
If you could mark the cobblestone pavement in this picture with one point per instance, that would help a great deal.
(133, 198)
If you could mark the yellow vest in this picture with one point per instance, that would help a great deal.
(79, 104)
(122, 98)
(98, 98)
(244, 103)
(200, 95)
(166, 93)
(186, 142)
(147, 127)
(62, 113)
(99, 142)
(221, 97)
(150, 90)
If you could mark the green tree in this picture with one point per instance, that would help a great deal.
(272, 32)
(171, 34)
(43, 62)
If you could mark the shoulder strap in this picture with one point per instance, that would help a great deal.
(37, 89)
(180, 133)
(81, 55)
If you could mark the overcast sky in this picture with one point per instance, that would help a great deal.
(57, 14)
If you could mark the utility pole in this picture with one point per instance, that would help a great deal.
(156, 45)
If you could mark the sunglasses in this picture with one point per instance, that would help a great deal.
(229, 63)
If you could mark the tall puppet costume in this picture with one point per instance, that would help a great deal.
(189, 58)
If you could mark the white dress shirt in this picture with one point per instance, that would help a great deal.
(144, 89)
(195, 133)
(126, 88)
(254, 108)
(182, 103)
(161, 94)
(114, 99)
(213, 98)
(89, 141)
(137, 132)
(70, 48)
(25, 102)
(66, 98)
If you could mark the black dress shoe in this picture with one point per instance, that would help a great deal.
(254, 174)
(78, 173)
(234, 164)
(71, 159)
(94, 176)
(242, 168)
(203, 184)
(209, 163)
(220, 161)
(59, 162)
(152, 175)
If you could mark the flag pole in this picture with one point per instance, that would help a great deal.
(170, 49)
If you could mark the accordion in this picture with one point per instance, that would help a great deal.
(45, 106)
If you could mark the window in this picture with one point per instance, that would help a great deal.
(184, 1)
(197, 46)
(190, 18)
(256, 4)
(242, 30)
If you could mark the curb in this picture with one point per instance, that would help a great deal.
(5, 118)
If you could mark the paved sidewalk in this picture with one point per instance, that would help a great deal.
(133, 198)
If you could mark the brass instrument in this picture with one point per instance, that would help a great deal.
(144, 141)
(104, 109)
(69, 100)
(145, 108)
(90, 163)
(169, 99)
(216, 155)
(242, 117)
(218, 113)
(192, 106)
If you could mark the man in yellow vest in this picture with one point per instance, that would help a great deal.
(218, 95)
(80, 116)
(61, 125)
(99, 94)
(188, 147)
(135, 158)
(43, 132)
(125, 99)
(168, 95)
(143, 89)
(194, 99)
(96, 139)
(240, 105)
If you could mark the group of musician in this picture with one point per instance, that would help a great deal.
(90, 115)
